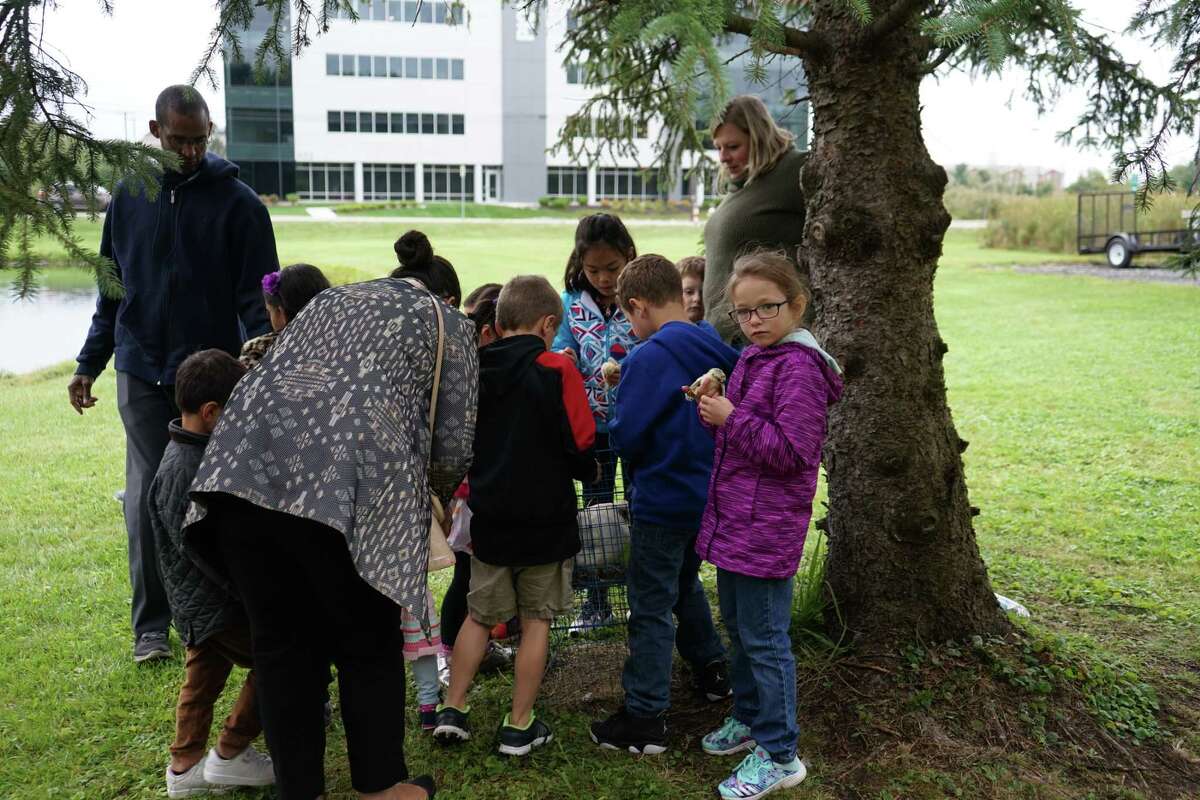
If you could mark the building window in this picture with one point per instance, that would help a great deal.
(425, 12)
(449, 182)
(441, 69)
(626, 183)
(389, 182)
(325, 181)
(395, 11)
(260, 126)
(383, 122)
(566, 181)
(574, 74)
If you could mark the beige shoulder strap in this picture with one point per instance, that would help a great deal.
(437, 365)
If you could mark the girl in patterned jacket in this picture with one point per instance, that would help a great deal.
(593, 330)
(769, 430)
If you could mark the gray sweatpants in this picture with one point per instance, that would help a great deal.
(146, 410)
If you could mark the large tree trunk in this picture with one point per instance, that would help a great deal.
(903, 562)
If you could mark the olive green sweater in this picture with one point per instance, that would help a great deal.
(766, 213)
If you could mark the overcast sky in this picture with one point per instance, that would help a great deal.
(147, 44)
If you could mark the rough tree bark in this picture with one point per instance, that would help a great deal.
(903, 561)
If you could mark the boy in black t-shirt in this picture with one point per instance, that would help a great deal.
(533, 438)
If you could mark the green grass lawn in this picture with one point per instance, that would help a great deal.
(1080, 397)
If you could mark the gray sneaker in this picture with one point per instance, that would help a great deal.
(191, 783)
(151, 646)
(247, 768)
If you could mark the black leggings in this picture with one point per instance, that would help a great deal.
(454, 604)
(308, 607)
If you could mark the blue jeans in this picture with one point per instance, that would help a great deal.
(758, 613)
(663, 578)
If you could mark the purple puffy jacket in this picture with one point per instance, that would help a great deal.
(767, 457)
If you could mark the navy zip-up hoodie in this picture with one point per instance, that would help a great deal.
(192, 263)
(668, 455)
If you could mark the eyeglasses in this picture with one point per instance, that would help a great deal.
(765, 311)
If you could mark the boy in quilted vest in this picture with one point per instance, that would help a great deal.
(209, 620)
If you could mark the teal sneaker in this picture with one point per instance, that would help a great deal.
(732, 737)
(758, 776)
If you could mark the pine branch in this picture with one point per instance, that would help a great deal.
(807, 44)
(894, 18)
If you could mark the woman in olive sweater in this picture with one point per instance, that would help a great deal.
(763, 205)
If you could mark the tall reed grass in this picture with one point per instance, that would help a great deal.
(1049, 223)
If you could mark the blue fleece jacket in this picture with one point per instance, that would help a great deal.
(655, 429)
(192, 263)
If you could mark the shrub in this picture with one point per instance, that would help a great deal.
(292, 197)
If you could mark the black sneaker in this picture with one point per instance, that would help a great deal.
(151, 646)
(519, 741)
(638, 735)
(451, 725)
(712, 680)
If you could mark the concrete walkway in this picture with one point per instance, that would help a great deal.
(958, 224)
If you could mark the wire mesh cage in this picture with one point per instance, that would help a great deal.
(601, 607)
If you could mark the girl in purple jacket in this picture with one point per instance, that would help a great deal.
(769, 429)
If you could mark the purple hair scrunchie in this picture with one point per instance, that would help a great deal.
(270, 282)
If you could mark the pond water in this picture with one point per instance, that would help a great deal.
(45, 330)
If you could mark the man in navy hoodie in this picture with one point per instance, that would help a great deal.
(192, 262)
(668, 457)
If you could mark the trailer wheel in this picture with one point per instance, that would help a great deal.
(1118, 253)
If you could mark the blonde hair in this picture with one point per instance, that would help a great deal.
(768, 141)
(773, 266)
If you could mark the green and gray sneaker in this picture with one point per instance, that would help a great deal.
(451, 725)
(516, 741)
(732, 737)
(758, 775)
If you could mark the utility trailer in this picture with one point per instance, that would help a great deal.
(1107, 222)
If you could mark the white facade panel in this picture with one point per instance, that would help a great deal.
(476, 97)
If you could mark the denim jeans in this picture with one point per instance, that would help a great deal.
(661, 579)
(757, 613)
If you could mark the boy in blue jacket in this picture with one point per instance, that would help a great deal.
(668, 458)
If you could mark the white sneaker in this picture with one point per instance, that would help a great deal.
(248, 768)
(191, 783)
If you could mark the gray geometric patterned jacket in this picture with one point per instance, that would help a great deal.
(333, 426)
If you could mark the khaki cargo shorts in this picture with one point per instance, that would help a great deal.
(500, 593)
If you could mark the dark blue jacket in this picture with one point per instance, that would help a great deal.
(655, 429)
(192, 263)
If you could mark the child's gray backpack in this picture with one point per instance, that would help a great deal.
(604, 536)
